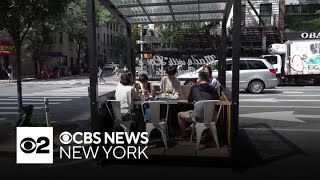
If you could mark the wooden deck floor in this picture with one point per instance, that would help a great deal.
(188, 149)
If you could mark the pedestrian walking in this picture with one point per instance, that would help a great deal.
(125, 69)
(100, 75)
(116, 72)
(9, 73)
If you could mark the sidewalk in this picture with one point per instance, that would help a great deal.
(8, 134)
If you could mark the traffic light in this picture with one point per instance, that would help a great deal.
(138, 29)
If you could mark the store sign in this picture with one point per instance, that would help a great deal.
(159, 62)
(6, 48)
(311, 35)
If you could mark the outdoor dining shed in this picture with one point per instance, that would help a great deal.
(132, 12)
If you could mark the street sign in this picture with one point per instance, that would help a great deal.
(145, 26)
(141, 42)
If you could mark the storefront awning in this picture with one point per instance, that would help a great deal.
(6, 48)
(53, 54)
(166, 11)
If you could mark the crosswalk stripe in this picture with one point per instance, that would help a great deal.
(16, 107)
(36, 99)
(8, 113)
(29, 103)
(59, 94)
(53, 97)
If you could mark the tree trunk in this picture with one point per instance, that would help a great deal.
(35, 67)
(19, 87)
(79, 46)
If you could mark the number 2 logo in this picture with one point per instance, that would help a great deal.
(29, 145)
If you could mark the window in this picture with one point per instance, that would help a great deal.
(98, 36)
(266, 13)
(228, 66)
(108, 39)
(70, 38)
(98, 48)
(60, 37)
(243, 65)
(271, 59)
(243, 15)
(104, 38)
(256, 64)
(63, 61)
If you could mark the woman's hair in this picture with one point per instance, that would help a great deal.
(171, 70)
(209, 69)
(203, 76)
(126, 79)
(143, 78)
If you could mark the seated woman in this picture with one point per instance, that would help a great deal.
(170, 84)
(212, 81)
(126, 93)
(145, 87)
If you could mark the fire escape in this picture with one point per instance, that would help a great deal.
(252, 32)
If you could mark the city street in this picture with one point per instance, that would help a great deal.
(281, 127)
(68, 99)
(280, 132)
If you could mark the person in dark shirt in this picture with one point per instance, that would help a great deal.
(201, 91)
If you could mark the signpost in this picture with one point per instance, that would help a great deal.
(145, 26)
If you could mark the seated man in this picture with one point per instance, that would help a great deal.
(201, 91)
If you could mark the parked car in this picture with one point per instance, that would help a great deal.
(256, 74)
(110, 65)
(191, 77)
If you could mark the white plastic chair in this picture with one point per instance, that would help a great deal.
(209, 120)
(155, 119)
(117, 119)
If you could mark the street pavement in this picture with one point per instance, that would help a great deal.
(68, 99)
(280, 133)
(279, 129)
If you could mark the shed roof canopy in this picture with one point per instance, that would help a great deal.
(166, 11)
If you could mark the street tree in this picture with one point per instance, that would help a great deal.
(75, 21)
(17, 17)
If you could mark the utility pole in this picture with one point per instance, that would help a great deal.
(141, 39)
(92, 56)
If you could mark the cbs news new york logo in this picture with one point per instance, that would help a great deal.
(34, 145)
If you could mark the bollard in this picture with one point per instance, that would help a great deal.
(46, 107)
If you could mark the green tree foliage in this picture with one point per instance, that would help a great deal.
(17, 17)
(173, 34)
(75, 20)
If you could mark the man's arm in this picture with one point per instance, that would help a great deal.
(190, 97)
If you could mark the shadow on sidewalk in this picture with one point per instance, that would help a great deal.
(255, 148)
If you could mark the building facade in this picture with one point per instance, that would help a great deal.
(110, 43)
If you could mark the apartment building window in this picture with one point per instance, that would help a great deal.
(63, 61)
(61, 37)
(293, 9)
(243, 15)
(98, 48)
(266, 13)
(111, 39)
(71, 62)
(104, 38)
(98, 36)
(70, 38)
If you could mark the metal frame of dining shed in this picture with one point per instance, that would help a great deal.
(130, 12)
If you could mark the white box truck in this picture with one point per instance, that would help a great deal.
(296, 61)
